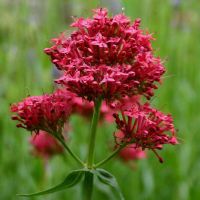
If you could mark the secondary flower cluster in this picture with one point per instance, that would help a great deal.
(85, 108)
(145, 127)
(46, 112)
(106, 57)
(131, 153)
(45, 145)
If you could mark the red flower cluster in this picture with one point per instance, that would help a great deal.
(145, 127)
(45, 145)
(47, 112)
(131, 152)
(106, 57)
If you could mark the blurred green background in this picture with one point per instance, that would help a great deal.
(26, 26)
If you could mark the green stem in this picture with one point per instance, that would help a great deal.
(114, 153)
(70, 151)
(87, 186)
(95, 118)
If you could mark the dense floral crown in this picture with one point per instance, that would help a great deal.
(106, 57)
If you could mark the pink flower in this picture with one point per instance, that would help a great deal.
(48, 112)
(131, 152)
(45, 145)
(106, 57)
(85, 108)
(145, 127)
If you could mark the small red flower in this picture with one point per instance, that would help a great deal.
(107, 57)
(145, 127)
(131, 152)
(85, 108)
(45, 145)
(48, 112)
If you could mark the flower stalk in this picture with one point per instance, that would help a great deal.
(113, 154)
(69, 150)
(93, 131)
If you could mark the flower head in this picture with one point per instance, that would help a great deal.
(145, 127)
(48, 112)
(107, 57)
(45, 145)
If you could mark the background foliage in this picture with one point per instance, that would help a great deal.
(25, 30)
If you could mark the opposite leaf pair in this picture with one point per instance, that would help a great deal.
(76, 176)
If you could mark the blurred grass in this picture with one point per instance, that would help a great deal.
(25, 30)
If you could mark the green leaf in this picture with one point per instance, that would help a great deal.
(108, 179)
(71, 180)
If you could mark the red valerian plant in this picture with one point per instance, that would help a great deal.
(106, 59)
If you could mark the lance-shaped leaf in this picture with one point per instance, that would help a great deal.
(108, 179)
(71, 180)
